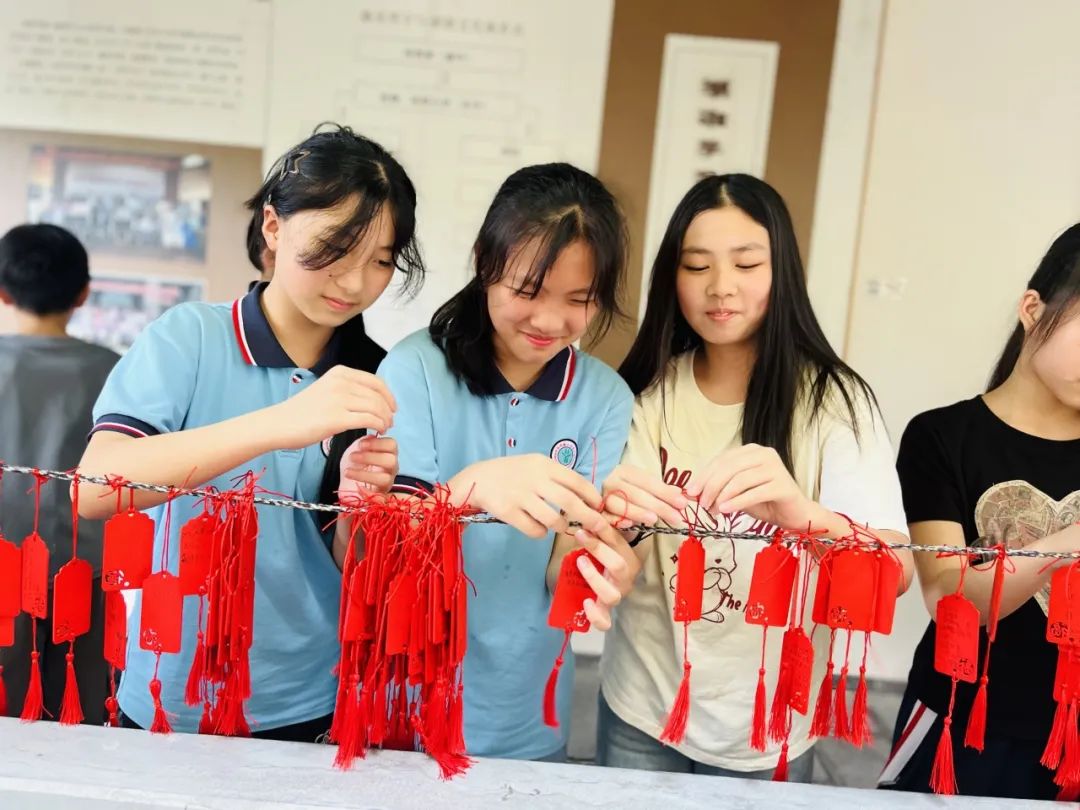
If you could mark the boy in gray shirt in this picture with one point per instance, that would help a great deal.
(48, 384)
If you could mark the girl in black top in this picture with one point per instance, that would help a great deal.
(1003, 467)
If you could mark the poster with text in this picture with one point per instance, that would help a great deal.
(462, 92)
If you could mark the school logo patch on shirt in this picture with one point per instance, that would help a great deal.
(564, 451)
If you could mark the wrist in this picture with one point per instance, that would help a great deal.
(821, 519)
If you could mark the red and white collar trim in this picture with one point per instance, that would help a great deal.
(568, 375)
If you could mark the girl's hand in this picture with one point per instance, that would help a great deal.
(634, 496)
(532, 493)
(753, 479)
(369, 465)
(621, 568)
(342, 399)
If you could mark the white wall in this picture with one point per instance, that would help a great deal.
(974, 167)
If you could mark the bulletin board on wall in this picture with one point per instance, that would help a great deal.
(463, 91)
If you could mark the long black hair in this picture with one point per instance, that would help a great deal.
(1057, 281)
(795, 363)
(555, 205)
(330, 167)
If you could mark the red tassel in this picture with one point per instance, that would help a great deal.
(112, 706)
(1069, 792)
(71, 713)
(161, 720)
(675, 729)
(757, 727)
(1070, 765)
(943, 776)
(1055, 745)
(975, 736)
(352, 733)
(243, 677)
(112, 709)
(455, 728)
(781, 772)
(33, 706)
(860, 725)
(859, 731)
(551, 714)
(193, 693)
(840, 713)
(822, 722)
(779, 716)
(3, 694)
(206, 725)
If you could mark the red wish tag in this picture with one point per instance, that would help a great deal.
(72, 599)
(1063, 612)
(357, 611)
(7, 631)
(196, 546)
(571, 591)
(115, 629)
(127, 555)
(35, 576)
(690, 581)
(956, 646)
(10, 579)
(820, 614)
(459, 641)
(889, 573)
(161, 622)
(852, 595)
(451, 555)
(800, 651)
(402, 597)
(436, 616)
(771, 586)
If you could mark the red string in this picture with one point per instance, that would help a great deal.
(74, 516)
(39, 481)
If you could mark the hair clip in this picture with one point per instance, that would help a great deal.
(295, 163)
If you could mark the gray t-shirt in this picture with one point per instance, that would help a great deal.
(48, 386)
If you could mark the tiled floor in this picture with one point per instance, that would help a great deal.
(835, 763)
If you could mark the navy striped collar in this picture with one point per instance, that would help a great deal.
(259, 345)
(554, 381)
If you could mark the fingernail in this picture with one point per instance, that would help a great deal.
(651, 517)
(625, 523)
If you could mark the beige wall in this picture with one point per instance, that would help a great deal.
(973, 169)
(234, 174)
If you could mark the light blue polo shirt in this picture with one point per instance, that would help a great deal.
(441, 428)
(196, 365)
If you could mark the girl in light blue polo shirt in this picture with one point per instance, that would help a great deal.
(209, 392)
(495, 401)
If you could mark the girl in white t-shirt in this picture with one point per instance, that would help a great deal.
(744, 407)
